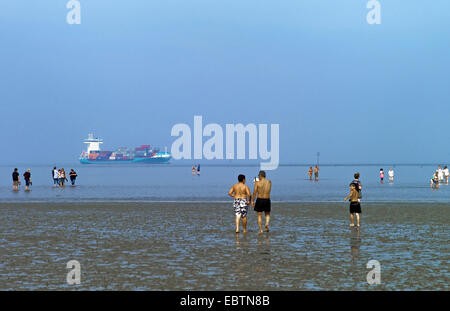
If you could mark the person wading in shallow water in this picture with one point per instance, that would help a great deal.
(241, 194)
(27, 178)
(316, 173)
(73, 176)
(355, 206)
(310, 172)
(262, 195)
(16, 179)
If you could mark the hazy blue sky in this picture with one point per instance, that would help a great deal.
(134, 68)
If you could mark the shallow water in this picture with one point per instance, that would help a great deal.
(144, 183)
(191, 246)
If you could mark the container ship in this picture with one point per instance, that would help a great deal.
(142, 154)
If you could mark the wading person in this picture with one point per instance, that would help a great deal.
(381, 175)
(391, 175)
(193, 170)
(55, 176)
(241, 194)
(198, 170)
(435, 181)
(358, 185)
(16, 180)
(262, 195)
(440, 174)
(310, 172)
(27, 178)
(62, 177)
(316, 173)
(446, 174)
(73, 176)
(355, 206)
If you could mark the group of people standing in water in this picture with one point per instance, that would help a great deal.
(60, 178)
(16, 179)
(58, 175)
(440, 176)
(196, 168)
(316, 173)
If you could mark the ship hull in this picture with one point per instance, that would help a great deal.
(134, 161)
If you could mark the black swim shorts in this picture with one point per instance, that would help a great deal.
(262, 205)
(355, 207)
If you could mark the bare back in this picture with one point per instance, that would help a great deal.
(263, 188)
(240, 191)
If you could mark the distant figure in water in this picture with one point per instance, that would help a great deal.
(355, 206)
(262, 195)
(358, 185)
(310, 172)
(381, 175)
(316, 173)
(440, 174)
(193, 170)
(73, 176)
(446, 174)
(16, 179)
(242, 197)
(198, 170)
(435, 180)
(55, 175)
(27, 178)
(391, 175)
(62, 177)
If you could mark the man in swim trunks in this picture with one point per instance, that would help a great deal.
(355, 206)
(262, 195)
(316, 173)
(241, 194)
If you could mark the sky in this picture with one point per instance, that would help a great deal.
(356, 93)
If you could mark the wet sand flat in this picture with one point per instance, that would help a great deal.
(192, 246)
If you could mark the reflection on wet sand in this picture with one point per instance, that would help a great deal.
(355, 244)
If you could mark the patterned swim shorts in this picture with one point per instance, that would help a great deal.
(240, 207)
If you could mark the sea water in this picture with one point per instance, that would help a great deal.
(150, 183)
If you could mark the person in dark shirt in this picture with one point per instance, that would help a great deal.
(15, 178)
(27, 178)
(73, 176)
(358, 186)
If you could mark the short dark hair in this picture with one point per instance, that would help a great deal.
(356, 175)
(241, 178)
(15, 169)
(262, 174)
